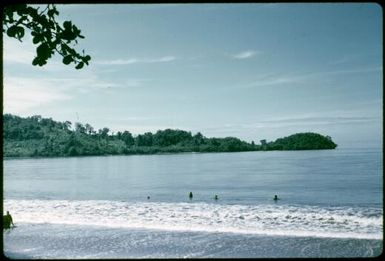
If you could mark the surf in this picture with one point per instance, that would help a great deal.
(262, 219)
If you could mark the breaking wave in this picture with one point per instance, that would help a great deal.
(272, 219)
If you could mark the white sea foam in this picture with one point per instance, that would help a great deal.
(285, 220)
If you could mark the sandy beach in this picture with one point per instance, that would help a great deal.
(37, 241)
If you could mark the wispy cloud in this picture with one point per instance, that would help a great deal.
(245, 54)
(351, 58)
(349, 71)
(306, 123)
(137, 60)
(18, 52)
(268, 81)
(279, 79)
(22, 94)
(111, 9)
(317, 120)
(343, 60)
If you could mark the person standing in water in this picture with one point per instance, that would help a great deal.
(7, 221)
(190, 195)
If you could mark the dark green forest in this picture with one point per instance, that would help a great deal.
(43, 137)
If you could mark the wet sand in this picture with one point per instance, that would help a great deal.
(72, 241)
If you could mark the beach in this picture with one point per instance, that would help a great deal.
(70, 241)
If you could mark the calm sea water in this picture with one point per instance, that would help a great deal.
(324, 194)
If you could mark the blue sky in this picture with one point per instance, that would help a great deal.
(253, 71)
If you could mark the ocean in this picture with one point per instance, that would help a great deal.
(330, 205)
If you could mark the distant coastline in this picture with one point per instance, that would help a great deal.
(43, 137)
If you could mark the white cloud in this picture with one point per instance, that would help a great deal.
(305, 120)
(18, 52)
(276, 79)
(136, 60)
(23, 94)
(340, 72)
(245, 54)
(315, 120)
(274, 128)
(26, 93)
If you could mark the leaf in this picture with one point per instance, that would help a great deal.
(42, 62)
(67, 59)
(11, 32)
(71, 51)
(36, 39)
(32, 12)
(21, 9)
(20, 32)
(75, 30)
(15, 31)
(67, 25)
(43, 51)
(68, 35)
(42, 19)
(51, 12)
(46, 33)
(80, 65)
(51, 24)
(86, 59)
(35, 61)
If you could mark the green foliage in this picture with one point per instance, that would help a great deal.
(47, 33)
(302, 141)
(41, 137)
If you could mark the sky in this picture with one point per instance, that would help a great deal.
(252, 71)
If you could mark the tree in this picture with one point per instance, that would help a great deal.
(67, 124)
(36, 118)
(79, 127)
(127, 138)
(147, 139)
(50, 36)
(198, 138)
(103, 132)
(89, 128)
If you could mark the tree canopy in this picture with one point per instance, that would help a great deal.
(44, 137)
(302, 141)
(46, 32)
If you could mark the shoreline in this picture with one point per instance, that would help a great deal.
(73, 241)
(182, 231)
(186, 152)
(157, 153)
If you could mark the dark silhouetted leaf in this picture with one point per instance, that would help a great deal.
(80, 65)
(67, 25)
(35, 61)
(43, 51)
(46, 33)
(67, 59)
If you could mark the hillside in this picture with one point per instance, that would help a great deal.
(302, 141)
(41, 137)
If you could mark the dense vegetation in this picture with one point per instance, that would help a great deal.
(36, 136)
(302, 141)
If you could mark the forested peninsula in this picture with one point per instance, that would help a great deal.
(43, 137)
